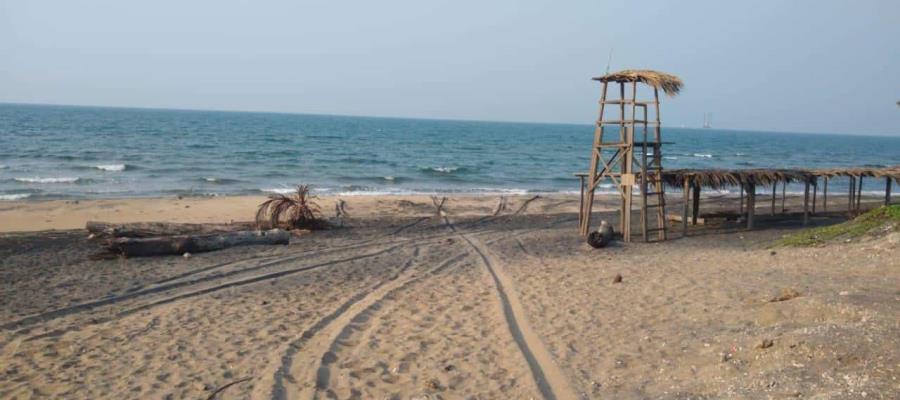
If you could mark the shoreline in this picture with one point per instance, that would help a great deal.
(55, 215)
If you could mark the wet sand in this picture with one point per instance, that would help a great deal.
(402, 304)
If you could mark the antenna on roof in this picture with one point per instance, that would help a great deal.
(609, 61)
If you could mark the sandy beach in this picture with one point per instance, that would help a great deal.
(401, 304)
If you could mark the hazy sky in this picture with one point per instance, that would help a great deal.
(810, 66)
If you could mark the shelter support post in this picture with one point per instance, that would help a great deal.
(774, 186)
(783, 195)
(684, 211)
(815, 190)
(696, 204)
(887, 190)
(825, 196)
(806, 203)
(859, 194)
(851, 195)
(751, 204)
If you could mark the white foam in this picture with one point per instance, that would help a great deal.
(445, 170)
(388, 178)
(279, 190)
(16, 196)
(702, 155)
(215, 180)
(47, 180)
(111, 167)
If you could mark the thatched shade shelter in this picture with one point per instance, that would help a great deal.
(668, 83)
(692, 180)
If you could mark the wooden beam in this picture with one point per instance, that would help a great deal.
(825, 196)
(850, 199)
(741, 206)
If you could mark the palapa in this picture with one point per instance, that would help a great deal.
(668, 83)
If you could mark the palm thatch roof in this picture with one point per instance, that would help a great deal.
(670, 84)
(719, 178)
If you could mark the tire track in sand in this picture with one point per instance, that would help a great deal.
(226, 285)
(325, 341)
(548, 377)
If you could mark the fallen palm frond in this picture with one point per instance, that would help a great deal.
(294, 211)
(668, 83)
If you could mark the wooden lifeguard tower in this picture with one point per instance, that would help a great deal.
(631, 154)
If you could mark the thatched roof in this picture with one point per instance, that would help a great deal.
(718, 178)
(670, 84)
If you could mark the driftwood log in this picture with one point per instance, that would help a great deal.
(156, 246)
(154, 229)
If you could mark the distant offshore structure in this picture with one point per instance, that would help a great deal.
(706, 117)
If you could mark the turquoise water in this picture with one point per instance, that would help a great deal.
(91, 152)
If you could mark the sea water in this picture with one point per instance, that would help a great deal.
(93, 152)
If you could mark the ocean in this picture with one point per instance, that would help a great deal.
(68, 152)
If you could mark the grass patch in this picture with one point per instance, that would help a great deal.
(887, 217)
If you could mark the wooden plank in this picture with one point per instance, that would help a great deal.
(783, 196)
(825, 196)
(850, 198)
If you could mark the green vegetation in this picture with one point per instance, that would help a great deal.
(886, 217)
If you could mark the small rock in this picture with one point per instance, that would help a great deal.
(435, 384)
(785, 294)
(844, 293)
(186, 206)
(773, 252)
(91, 236)
(265, 302)
(187, 255)
(449, 368)
(765, 344)
(617, 278)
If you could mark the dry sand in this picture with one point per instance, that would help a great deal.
(399, 304)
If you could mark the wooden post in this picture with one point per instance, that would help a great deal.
(751, 204)
(696, 205)
(741, 206)
(850, 200)
(887, 190)
(859, 193)
(815, 190)
(806, 203)
(581, 201)
(774, 186)
(588, 202)
(825, 196)
(684, 212)
(783, 189)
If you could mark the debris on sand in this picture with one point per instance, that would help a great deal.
(784, 294)
(617, 278)
(602, 236)
(765, 344)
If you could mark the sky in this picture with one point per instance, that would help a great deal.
(801, 66)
